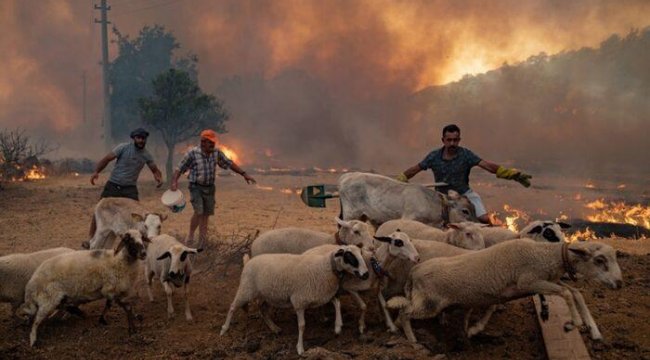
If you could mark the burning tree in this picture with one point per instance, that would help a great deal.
(19, 154)
(180, 110)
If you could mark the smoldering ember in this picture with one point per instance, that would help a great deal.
(218, 179)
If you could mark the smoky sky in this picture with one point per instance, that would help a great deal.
(307, 83)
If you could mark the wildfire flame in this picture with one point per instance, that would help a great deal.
(35, 173)
(230, 154)
(587, 234)
(619, 212)
(512, 220)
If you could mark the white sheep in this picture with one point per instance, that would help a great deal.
(298, 281)
(114, 216)
(540, 230)
(466, 235)
(294, 240)
(82, 276)
(17, 269)
(169, 259)
(395, 246)
(507, 271)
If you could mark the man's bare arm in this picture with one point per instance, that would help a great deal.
(488, 166)
(101, 165)
(249, 179)
(157, 175)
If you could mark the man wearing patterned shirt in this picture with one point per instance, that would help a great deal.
(451, 164)
(202, 161)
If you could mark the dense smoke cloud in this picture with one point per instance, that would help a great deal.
(326, 83)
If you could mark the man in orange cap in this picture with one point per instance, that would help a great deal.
(202, 161)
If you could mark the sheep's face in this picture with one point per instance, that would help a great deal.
(550, 231)
(459, 207)
(597, 261)
(467, 235)
(134, 244)
(178, 256)
(400, 246)
(153, 224)
(355, 232)
(348, 258)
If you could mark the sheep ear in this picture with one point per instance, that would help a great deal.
(384, 239)
(582, 253)
(536, 230)
(162, 217)
(342, 223)
(125, 239)
(453, 225)
(137, 217)
(564, 225)
(164, 256)
(339, 253)
(453, 195)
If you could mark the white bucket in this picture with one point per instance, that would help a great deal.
(174, 200)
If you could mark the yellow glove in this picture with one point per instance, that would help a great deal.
(514, 174)
(402, 177)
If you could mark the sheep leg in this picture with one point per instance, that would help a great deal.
(188, 312)
(301, 330)
(99, 240)
(338, 319)
(405, 321)
(129, 314)
(480, 325)
(236, 304)
(468, 314)
(148, 277)
(594, 332)
(363, 307)
(41, 314)
(170, 306)
(389, 321)
(264, 310)
(528, 284)
(543, 313)
(102, 317)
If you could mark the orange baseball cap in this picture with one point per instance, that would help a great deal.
(209, 134)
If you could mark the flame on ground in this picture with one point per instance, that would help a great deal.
(619, 212)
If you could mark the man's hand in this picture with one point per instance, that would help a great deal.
(402, 177)
(159, 181)
(249, 179)
(514, 174)
(94, 177)
(174, 186)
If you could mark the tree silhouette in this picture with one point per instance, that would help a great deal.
(138, 62)
(180, 110)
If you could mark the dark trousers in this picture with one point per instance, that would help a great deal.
(112, 189)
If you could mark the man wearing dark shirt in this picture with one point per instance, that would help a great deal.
(131, 158)
(452, 164)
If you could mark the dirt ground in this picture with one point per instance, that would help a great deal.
(57, 211)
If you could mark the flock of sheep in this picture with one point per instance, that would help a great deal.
(413, 269)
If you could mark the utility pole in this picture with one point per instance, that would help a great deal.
(83, 98)
(107, 96)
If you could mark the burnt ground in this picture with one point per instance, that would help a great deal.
(56, 212)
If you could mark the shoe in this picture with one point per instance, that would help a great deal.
(85, 245)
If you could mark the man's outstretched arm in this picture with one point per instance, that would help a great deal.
(101, 165)
(409, 173)
(505, 173)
